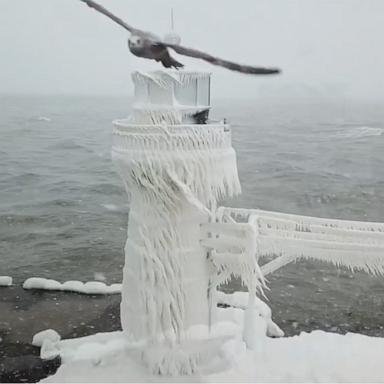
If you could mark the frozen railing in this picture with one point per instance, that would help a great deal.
(239, 237)
(354, 244)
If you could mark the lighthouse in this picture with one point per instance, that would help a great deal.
(176, 164)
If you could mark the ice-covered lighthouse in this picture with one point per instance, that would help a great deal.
(176, 165)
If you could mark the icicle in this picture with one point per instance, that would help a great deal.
(166, 78)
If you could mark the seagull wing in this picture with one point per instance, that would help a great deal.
(220, 62)
(105, 12)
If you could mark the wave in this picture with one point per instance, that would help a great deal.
(111, 207)
(359, 132)
(42, 118)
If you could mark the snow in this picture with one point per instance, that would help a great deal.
(73, 286)
(49, 334)
(115, 288)
(5, 281)
(95, 287)
(310, 357)
(34, 283)
(52, 285)
(90, 287)
(49, 350)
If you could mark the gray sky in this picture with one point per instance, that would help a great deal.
(324, 47)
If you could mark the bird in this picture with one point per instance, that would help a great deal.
(149, 46)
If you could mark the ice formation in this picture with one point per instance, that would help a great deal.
(177, 165)
(89, 288)
(5, 281)
(353, 244)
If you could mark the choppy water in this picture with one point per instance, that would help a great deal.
(63, 211)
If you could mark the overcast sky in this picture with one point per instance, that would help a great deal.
(333, 47)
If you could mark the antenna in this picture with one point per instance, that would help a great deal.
(172, 24)
(172, 37)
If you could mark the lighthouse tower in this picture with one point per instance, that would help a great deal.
(176, 165)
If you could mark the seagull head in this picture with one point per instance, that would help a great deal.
(136, 41)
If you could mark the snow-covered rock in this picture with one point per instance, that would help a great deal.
(34, 283)
(52, 285)
(90, 287)
(48, 334)
(5, 281)
(41, 283)
(115, 288)
(73, 286)
(95, 287)
(49, 350)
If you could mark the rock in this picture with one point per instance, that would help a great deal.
(27, 368)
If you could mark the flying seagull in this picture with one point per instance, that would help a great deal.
(147, 45)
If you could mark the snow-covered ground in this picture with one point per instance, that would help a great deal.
(223, 356)
(310, 357)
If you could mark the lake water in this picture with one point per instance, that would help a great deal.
(63, 209)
